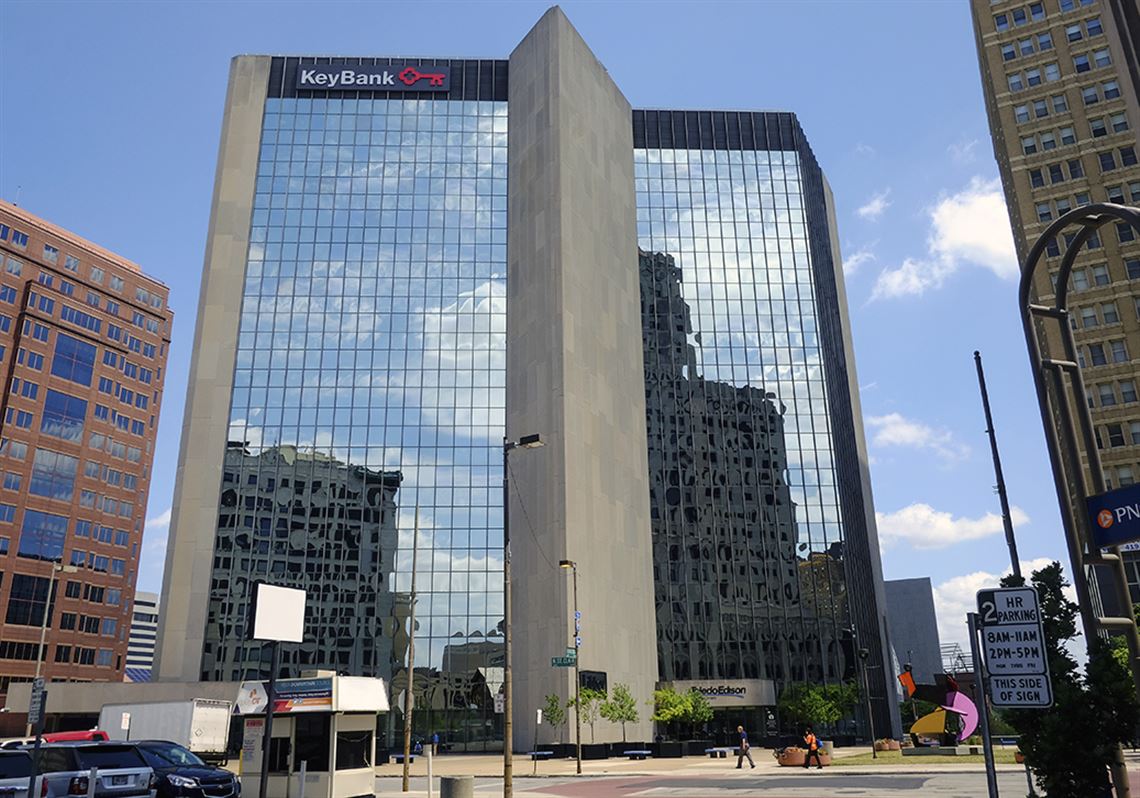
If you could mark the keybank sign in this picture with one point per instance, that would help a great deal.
(1114, 517)
(336, 77)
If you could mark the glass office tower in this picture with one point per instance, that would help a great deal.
(351, 374)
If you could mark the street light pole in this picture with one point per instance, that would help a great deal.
(1006, 518)
(524, 442)
(573, 566)
(56, 567)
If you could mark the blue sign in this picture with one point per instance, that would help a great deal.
(1114, 517)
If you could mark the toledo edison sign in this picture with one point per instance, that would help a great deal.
(340, 77)
(1114, 517)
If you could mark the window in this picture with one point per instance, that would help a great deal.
(1081, 63)
(1037, 11)
(1060, 104)
(1089, 95)
(1093, 27)
(1040, 109)
(1115, 194)
(1082, 198)
(20, 239)
(1124, 476)
(1134, 191)
(1033, 77)
(71, 263)
(1068, 136)
(19, 418)
(1008, 53)
(42, 535)
(1127, 391)
(1001, 22)
(63, 416)
(7, 513)
(1063, 206)
(1097, 356)
(1119, 352)
(1101, 57)
(1036, 179)
(28, 602)
(66, 288)
(1044, 212)
(1107, 397)
(1109, 314)
(80, 319)
(1014, 81)
(92, 299)
(1021, 113)
(1111, 89)
(1098, 128)
(14, 267)
(1073, 33)
(1125, 232)
(1088, 318)
(74, 360)
(96, 276)
(1044, 41)
(1115, 435)
(116, 283)
(1107, 161)
(1052, 73)
(1133, 267)
(1055, 173)
(53, 475)
(1118, 122)
(12, 481)
(1100, 275)
(1048, 141)
(1127, 156)
(7, 294)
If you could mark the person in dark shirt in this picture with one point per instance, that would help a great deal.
(745, 749)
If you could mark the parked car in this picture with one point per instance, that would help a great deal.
(15, 768)
(121, 771)
(84, 736)
(180, 773)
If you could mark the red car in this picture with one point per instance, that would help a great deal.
(91, 735)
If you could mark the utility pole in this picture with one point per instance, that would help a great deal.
(411, 650)
(1006, 519)
(56, 567)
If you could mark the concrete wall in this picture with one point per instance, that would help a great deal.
(194, 518)
(574, 376)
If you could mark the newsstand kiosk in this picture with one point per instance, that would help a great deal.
(323, 742)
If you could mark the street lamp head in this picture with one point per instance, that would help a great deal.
(566, 564)
(864, 653)
(531, 441)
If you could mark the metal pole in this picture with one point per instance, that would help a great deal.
(301, 778)
(870, 714)
(577, 677)
(983, 706)
(274, 665)
(429, 756)
(1006, 519)
(36, 746)
(508, 702)
(43, 633)
(411, 651)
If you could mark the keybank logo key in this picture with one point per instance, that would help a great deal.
(334, 77)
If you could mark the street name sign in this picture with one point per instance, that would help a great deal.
(563, 662)
(1013, 647)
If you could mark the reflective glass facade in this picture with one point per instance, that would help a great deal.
(369, 381)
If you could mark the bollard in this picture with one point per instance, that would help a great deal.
(456, 787)
(304, 769)
(92, 777)
(429, 750)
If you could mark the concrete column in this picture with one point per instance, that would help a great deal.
(574, 376)
(194, 517)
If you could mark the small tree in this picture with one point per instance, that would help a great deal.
(591, 700)
(698, 710)
(620, 708)
(555, 715)
(670, 707)
(1070, 745)
(817, 704)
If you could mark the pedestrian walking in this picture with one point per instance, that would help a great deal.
(435, 744)
(745, 749)
(811, 743)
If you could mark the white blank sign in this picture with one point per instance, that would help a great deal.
(279, 613)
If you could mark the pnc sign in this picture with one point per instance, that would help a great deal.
(1114, 517)
(344, 77)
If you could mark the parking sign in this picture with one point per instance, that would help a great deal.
(1013, 647)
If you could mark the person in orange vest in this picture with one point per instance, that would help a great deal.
(812, 745)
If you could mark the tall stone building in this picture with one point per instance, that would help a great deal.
(1062, 80)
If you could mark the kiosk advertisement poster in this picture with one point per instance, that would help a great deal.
(289, 696)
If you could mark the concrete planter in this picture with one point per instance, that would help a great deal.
(795, 757)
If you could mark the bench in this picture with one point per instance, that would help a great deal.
(719, 753)
(399, 758)
(540, 755)
(636, 754)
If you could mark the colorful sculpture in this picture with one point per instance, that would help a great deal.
(951, 701)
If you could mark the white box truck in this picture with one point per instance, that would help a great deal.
(200, 724)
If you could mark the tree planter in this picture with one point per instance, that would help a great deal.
(1019, 757)
(795, 757)
(887, 745)
(665, 750)
(595, 751)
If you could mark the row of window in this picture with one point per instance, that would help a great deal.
(1119, 158)
(1112, 436)
(111, 596)
(1096, 276)
(1051, 72)
(1041, 108)
(71, 263)
(1042, 42)
(1071, 169)
(1034, 12)
(1047, 140)
(1044, 210)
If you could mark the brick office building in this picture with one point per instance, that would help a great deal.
(84, 336)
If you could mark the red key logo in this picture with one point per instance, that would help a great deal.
(410, 76)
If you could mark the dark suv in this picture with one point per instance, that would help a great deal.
(181, 774)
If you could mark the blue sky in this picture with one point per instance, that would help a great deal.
(110, 116)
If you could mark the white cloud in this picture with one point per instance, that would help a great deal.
(967, 228)
(856, 259)
(160, 520)
(873, 208)
(957, 596)
(963, 151)
(152, 559)
(923, 527)
(894, 429)
(866, 150)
